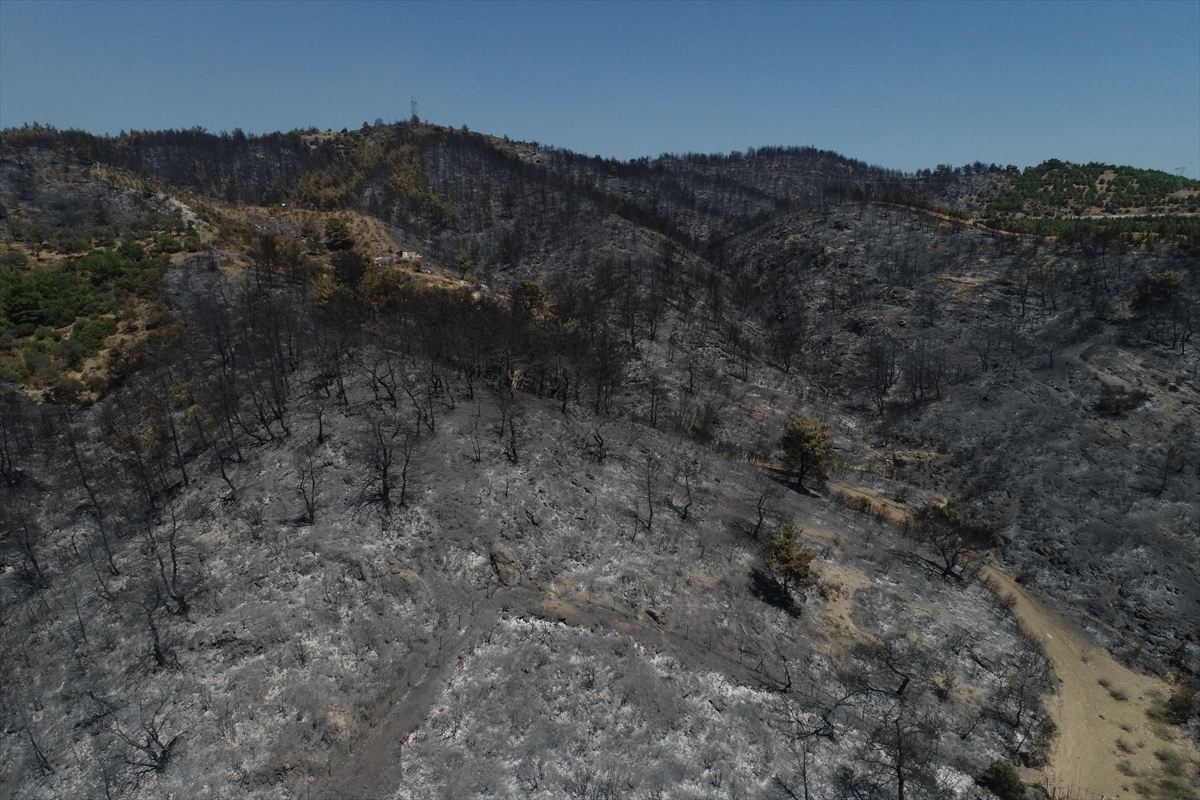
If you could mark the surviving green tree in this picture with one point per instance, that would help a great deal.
(1167, 313)
(807, 448)
(349, 266)
(337, 234)
(952, 533)
(788, 559)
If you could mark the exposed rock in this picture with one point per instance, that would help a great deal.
(400, 580)
(508, 570)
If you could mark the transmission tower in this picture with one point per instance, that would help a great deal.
(415, 118)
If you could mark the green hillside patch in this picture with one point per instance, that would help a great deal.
(57, 317)
(1051, 198)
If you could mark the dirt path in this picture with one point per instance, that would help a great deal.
(398, 713)
(1106, 743)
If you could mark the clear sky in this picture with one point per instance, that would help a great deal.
(902, 85)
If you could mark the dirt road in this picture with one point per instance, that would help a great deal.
(1106, 743)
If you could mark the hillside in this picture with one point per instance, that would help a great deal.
(449, 465)
(1061, 198)
(1058, 187)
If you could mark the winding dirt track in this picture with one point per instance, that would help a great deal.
(1098, 733)
(1090, 716)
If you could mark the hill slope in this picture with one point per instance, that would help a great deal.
(324, 542)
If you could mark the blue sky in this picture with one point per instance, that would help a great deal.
(903, 85)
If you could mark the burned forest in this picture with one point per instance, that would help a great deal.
(410, 462)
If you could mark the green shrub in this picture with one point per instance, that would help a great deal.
(46, 335)
(1004, 780)
(67, 390)
(39, 365)
(43, 297)
(104, 236)
(159, 317)
(91, 332)
(13, 259)
(36, 304)
(131, 251)
(138, 229)
(71, 352)
(69, 241)
(1116, 399)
